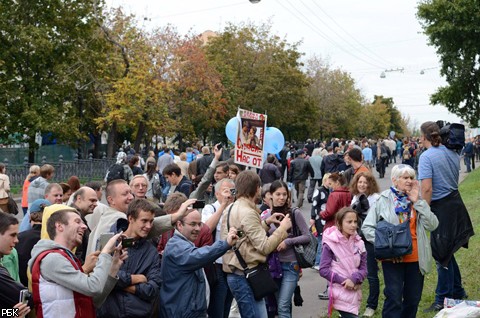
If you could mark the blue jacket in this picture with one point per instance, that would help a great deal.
(142, 259)
(183, 290)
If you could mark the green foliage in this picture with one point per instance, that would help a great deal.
(41, 65)
(453, 28)
(261, 72)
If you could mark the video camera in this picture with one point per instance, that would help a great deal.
(453, 135)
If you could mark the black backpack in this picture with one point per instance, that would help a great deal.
(116, 171)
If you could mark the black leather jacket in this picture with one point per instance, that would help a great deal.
(300, 168)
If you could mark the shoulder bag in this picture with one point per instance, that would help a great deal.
(392, 241)
(305, 254)
(258, 277)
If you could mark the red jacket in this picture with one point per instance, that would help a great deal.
(337, 199)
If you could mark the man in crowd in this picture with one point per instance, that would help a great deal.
(270, 171)
(438, 172)
(204, 161)
(139, 277)
(300, 168)
(139, 186)
(60, 287)
(220, 295)
(174, 176)
(9, 288)
(85, 201)
(53, 193)
(184, 287)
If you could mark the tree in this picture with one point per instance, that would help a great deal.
(336, 100)
(41, 65)
(453, 28)
(262, 72)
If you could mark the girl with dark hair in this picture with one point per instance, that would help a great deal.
(281, 203)
(339, 197)
(133, 164)
(153, 181)
(344, 263)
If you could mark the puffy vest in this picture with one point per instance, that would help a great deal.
(347, 260)
(53, 300)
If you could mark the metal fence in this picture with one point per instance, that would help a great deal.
(85, 169)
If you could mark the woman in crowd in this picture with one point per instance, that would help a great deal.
(67, 192)
(281, 203)
(133, 164)
(33, 173)
(153, 181)
(364, 189)
(74, 183)
(320, 197)
(254, 245)
(403, 276)
(339, 197)
(233, 171)
(4, 188)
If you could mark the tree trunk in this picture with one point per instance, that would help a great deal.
(112, 141)
(138, 138)
(32, 145)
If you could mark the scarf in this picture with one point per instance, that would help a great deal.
(402, 204)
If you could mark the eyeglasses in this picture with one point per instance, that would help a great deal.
(140, 185)
(193, 224)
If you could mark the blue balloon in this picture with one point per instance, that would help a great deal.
(274, 140)
(231, 129)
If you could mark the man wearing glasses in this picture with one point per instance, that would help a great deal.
(184, 287)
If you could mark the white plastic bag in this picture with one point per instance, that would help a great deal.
(461, 310)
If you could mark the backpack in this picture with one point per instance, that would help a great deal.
(406, 153)
(156, 187)
(116, 171)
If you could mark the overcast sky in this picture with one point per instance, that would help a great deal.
(363, 38)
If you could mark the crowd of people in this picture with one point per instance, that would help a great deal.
(178, 230)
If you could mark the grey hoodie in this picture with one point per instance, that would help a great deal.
(36, 190)
(57, 269)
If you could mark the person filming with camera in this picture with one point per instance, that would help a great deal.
(438, 172)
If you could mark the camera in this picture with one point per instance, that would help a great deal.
(199, 204)
(233, 192)
(24, 296)
(453, 135)
(240, 233)
(128, 242)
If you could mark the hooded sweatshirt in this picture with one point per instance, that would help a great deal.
(61, 289)
(36, 190)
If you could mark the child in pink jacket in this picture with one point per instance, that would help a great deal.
(344, 263)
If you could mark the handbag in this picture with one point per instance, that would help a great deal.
(306, 253)
(258, 277)
(392, 241)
